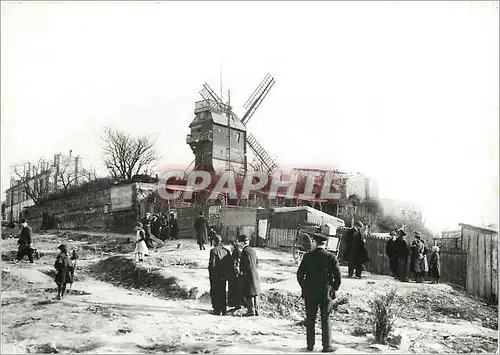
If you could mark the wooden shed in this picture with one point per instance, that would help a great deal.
(481, 245)
(278, 226)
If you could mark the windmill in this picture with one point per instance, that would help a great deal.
(218, 136)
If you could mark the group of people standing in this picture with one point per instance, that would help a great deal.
(236, 271)
(401, 253)
(151, 227)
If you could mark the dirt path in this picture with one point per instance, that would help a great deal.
(130, 311)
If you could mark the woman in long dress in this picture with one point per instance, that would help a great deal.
(141, 248)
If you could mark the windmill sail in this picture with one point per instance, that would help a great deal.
(257, 97)
(265, 159)
(212, 99)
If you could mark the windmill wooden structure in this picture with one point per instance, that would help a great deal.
(219, 138)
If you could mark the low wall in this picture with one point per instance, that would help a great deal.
(101, 209)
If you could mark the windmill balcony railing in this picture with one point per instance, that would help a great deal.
(200, 105)
(199, 136)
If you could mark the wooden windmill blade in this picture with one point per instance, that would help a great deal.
(261, 154)
(257, 97)
(212, 99)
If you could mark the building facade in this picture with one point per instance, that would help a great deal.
(36, 181)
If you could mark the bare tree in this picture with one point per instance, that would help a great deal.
(125, 156)
(69, 176)
(33, 179)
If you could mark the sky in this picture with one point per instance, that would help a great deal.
(406, 92)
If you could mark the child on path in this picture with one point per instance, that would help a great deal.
(64, 271)
(140, 245)
(435, 265)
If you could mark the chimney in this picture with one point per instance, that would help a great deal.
(70, 151)
(78, 166)
(28, 171)
(57, 159)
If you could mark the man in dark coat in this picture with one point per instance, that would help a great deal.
(146, 224)
(402, 250)
(173, 226)
(220, 270)
(249, 276)
(390, 251)
(155, 225)
(25, 242)
(355, 252)
(201, 228)
(319, 278)
(234, 297)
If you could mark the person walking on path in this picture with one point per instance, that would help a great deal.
(201, 228)
(249, 276)
(390, 251)
(220, 270)
(319, 278)
(140, 245)
(402, 251)
(64, 269)
(25, 242)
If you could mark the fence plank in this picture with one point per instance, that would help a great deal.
(494, 268)
(481, 265)
(487, 266)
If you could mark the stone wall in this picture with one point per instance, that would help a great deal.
(90, 210)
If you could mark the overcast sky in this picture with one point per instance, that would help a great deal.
(404, 91)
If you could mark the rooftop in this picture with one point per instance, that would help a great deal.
(488, 229)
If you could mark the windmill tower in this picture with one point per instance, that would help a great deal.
(219, 139)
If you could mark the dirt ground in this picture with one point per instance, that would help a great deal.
(162, 305)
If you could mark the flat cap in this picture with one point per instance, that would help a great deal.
(319, 236)
(418, 234)
(401, 232)
(359, 224)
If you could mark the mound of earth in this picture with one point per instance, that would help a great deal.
(20, 278)
(122, 270)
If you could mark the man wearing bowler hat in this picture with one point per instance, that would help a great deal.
(319, 278)
(249, 276)
(221, 270)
